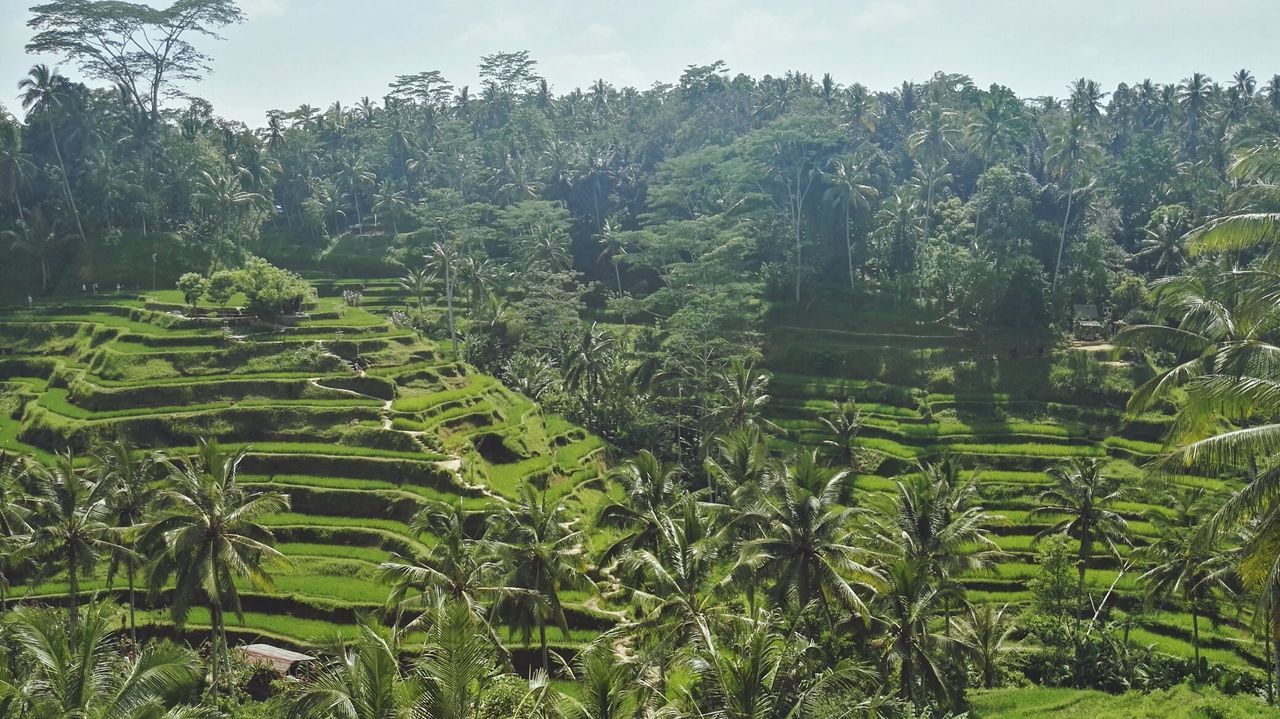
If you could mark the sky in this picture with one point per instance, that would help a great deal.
(291, 52)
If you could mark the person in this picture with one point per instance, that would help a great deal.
(29, 300)
(119, 288)
(84, 289)
(95, 288)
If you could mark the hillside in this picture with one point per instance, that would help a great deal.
(358, 452)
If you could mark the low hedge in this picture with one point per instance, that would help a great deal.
(423, 474)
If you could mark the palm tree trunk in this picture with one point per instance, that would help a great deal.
(73, 596)
(215, 618)
(1062, 241)
(848, 240)
(448, 291)
(66, 183)
(542, 642)
(1195, 636)
(617, 275)
(133, 606)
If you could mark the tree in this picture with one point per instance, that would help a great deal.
(441, 260)
(71, 523)
(42, 93)
(1082, 497)
(362, 681)
(986, 637)
(137, 48)
(906, 610)
(415, 281)
(805, 551)
(390, 200)
(1193, 568)
(208, 524)
(541, 555)
(79, 671)
(651, 487)
(843, 423)
(15, 511)
(741, 394)
(456, 663)
(133, 484)
(192, 285)
(1071, 151)
(850, 187)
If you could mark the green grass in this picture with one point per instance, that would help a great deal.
(1181, 702)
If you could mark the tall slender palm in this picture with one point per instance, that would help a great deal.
(997, 124)
(209, 526)
(16, 168)
(1071, 151)
(539, 553)
(441, 260)
(43, 91)
(740, 470)
(742, 393)
(390, 201)
(849, 187)
(79, 672)
(1082, 496)
(1186, 565)
(40, 236)
(415, 281)
(72, 522)
(133, 484)
(930, 145)
(612, 248)
(587, 368)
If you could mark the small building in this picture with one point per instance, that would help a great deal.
(280, 661)
(1085, 325)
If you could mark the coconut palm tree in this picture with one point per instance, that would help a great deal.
(42, 92)
(539, 553)
(1186, 565)
(741, 394)
(843, 423)
(608, 687)
(40, 237)
(79, 672)
(363, 681)
(651, 487)
(806, 553)
(1070, 154)
(1163, 243)
(906, 611)
(456, 663)
(985, 637)
(208, 524)
(740, 471)
(674, 585)
(849, 187)
(1082, 496)
(390, 201)
(612, 248)
(588, 367)
(441, 260)
(416, 280)
(71, 523)
(132, 478)
(15, 511)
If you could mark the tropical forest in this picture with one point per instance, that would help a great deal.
(730, 397)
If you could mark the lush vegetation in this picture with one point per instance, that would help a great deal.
(734, 397)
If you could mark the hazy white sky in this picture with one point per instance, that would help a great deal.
(316, 51)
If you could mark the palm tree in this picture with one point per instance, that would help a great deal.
(16, 167)
(850, 187)
(1163, 243)
(455, 664)
(390, 200)
(1082, 496)
(364, 681)
(15, 510)
(441, 260)
(208, 524)
(1185, 564)
(998, 123)
(416, 280)
(806, 552)
(741, 395)
(985, 637)
(675, 587)
(222, 193)
(42, 91)
(587, 368)
(353, 173)
(608, 687)
(907, 610)
(843, 423)
(539, 553)
(71, 522)
(79, 671)
(612, 247)
(1070, 152)
(740, 470)
(133, 484)
(929, 145)
(456, 568)
(40, 237)
(651, 487)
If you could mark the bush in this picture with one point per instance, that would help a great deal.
(192, 285)
(221, 285)
(271, 291)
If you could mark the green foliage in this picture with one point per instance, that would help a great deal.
(271, 291)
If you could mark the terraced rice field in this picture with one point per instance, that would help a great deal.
(1008, 427)
(358, 452)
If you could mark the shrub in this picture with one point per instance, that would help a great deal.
(221, 286)
(271, 291)
(192, 285)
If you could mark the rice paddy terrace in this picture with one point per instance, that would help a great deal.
(1007, 410)
(357, 421)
